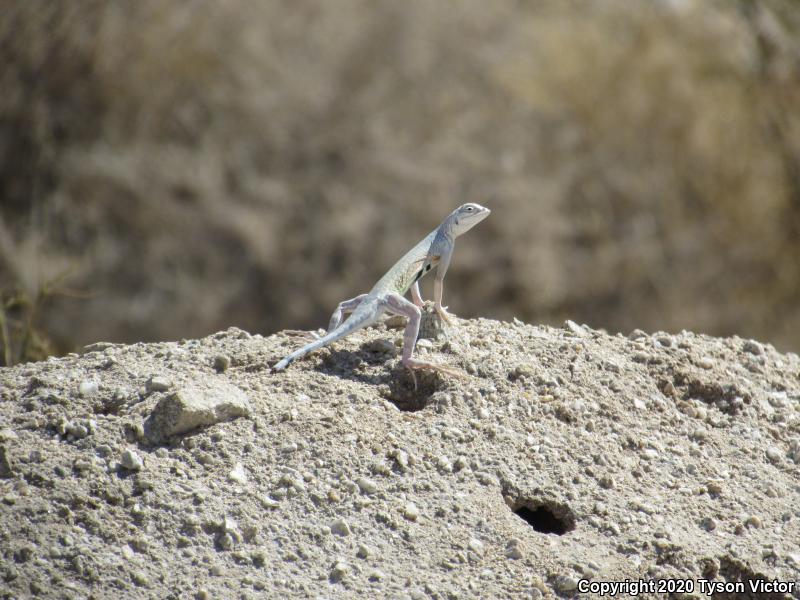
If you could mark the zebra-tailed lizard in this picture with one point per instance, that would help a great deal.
(388, 294)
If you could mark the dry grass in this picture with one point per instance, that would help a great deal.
(201, 165)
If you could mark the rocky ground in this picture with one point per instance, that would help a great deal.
(189, 470)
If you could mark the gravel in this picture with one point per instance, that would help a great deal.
(189, 469)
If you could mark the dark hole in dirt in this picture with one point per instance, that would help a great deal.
(547, 517)
(403, 393)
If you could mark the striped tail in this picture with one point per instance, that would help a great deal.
(360, 318)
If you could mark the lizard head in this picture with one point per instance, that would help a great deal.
(466, 216)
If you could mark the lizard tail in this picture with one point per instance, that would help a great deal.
(361, 317)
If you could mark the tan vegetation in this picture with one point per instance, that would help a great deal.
(200, 165)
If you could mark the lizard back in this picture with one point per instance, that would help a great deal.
(408, 269)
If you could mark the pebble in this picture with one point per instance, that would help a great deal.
(131, 461)
(476, 546)
(706, 362)
(515, 549)
(238, 474)
(709, 524)
(566, 583)
(8, 435)
(339, 571)
(773, 454)
(410, 511)
(367, 486)
(639, 404)
(649, 453)
(225, 540)
(88, 388)
(665, 341)
(6, 466)
(77, 430)
(221, 363)
(753, 347)
(401, 458)
(754, 521)
(158, 383)
(376, 575)
(340, 527)
(443, 464)
(574, 328)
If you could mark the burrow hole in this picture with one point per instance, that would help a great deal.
(545, 517)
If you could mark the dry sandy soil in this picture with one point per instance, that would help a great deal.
(190, 470)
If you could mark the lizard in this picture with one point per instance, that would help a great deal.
(388, 294)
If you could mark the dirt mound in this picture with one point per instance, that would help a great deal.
(563, 455)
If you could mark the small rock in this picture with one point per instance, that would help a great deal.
(77, 430)
(476, 546)
(706, 362)
(410, 511)
(443, 464)
(339, 571)
(364, 551)
(140, 579)
(88, 388)
(221, 363)
(158, 383)
(753, 521)
(650, 454)
(340, 527)
(131, 461)
(367, 486)
(709, 524)
(8, 435)
(515, 549)
(196, 405)
(773, 454)
(376, 575)
(238, 474)
(574, 328)
(565, 583)
(225, 540)
(639, 404)
(6, 467)
(753, 347)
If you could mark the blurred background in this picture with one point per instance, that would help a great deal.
(169, 169)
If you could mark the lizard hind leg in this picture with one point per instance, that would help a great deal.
(344, 307)
(396, 304)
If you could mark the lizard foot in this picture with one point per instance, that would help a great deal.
(413, 364)
(443, 314)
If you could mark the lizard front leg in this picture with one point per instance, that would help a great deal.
(415, 295)
(396, 304)
(438, 285)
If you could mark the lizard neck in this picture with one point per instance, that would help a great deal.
(448, 228)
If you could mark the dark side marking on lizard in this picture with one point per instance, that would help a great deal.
(421, 272)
